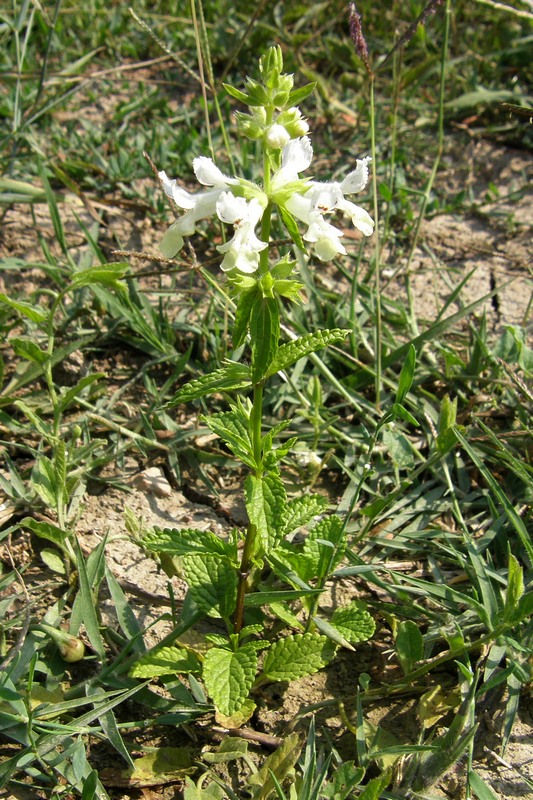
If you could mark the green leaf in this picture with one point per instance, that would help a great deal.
(283, 595)
(515, 589)
(229, 676)
(400, 411)
(183, 541)
(46, 530)
(297, 95)
(28, 349)
(481, 789)
(277, 765)
(66, 399)
(292, 228)
(301, 510)
(321, 552)
(242, 316)
(355, 623)
(409, 645)
(291, 352)
(106, 275)
(265, 504)
(165, 661)
(26, 309)
(374, 787)
(44, 481)
(264, 333)
(238, 95)
(405, 380)
(233, 428)
(297, 655)
(229, 378)
(212, 583)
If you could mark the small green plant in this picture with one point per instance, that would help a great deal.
(252, 579)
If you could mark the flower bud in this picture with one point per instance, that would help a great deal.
(277, 137)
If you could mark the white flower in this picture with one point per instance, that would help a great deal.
(277, 137)
(242, 251)
(197, 206)
(322, 198)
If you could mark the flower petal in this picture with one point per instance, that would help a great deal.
(172, 241)
(360, 219)
(296, 156)
(209, 174)
(356, 180)
(181, 197)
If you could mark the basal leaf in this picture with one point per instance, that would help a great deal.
(165, 661)
(265, 504)
(264, 332)
(226, 379)
(278, 764)
(291, 352)
(302, 510)
(183, 541)
(34, 313)
(28, 349)
(229, 676)
(354, 623)
(212, 583)
(297, 655)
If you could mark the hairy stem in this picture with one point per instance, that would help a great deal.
(251, 534)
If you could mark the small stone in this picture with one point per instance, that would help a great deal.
(153, 481)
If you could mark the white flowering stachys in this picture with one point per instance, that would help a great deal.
(242, 251)
(307, 200)
(197, 206)
(322, 198)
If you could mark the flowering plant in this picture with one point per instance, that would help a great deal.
(248, 579)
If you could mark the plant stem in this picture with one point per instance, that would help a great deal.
(256, 418)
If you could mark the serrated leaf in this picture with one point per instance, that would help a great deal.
(264, 333)
(301, 510)
(321, 552)
(229, 676)
(232, 427)
(354, 623)
(165, 661)
(265, 504)
(181, 541)
(242, 317)
(239, 718)
(297, 655)
(226, 379)
(277, 764)
(291, 352)
(282, 612)
(409, 645)
(212, 583)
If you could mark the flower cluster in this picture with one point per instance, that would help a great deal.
(287, 153)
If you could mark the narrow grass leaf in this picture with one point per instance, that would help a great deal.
(502, 498)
